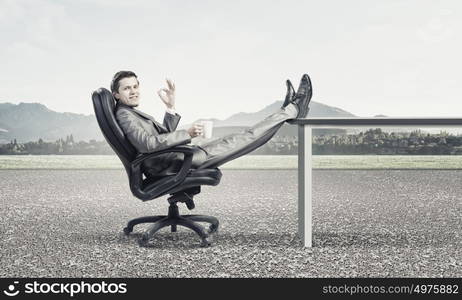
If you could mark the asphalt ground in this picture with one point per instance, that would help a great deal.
(376, 223)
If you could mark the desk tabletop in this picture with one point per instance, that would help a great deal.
(379, 121)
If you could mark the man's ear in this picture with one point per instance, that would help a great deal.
(116, 95)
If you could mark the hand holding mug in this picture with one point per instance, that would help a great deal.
(196, 130)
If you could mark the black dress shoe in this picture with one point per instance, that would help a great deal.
(290, 93)
(303, 96)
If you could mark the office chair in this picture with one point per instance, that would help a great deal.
(182, 186)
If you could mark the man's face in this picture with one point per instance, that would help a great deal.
(128, 92)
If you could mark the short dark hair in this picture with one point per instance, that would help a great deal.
(118, 77)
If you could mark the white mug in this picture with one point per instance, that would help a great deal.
(207, 129)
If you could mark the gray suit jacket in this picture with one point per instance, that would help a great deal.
(147, 135)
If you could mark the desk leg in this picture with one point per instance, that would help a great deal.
(304, 184)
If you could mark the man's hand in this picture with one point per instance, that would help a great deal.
(196, 130)
(168, 95)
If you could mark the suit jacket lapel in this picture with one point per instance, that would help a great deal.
(160, 128)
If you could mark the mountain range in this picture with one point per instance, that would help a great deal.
(30, 121)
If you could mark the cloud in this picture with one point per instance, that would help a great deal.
(438, 28)
(34, 26)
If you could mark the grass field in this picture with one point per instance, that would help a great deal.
(251, 162)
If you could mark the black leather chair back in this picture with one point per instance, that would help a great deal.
(104, 105)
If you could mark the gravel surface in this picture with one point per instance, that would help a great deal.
(381, 223)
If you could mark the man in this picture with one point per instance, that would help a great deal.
(147, 135)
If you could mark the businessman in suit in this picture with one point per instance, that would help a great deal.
(147, 135)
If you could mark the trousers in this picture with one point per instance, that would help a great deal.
(221, 150)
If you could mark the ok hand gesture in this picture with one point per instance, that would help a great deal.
(168, 95)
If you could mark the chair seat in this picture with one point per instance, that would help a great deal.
(194, 178)
(212, 173)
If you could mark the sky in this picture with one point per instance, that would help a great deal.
(398, 58)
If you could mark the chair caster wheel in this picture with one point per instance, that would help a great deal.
(212, 229)
(205, 242)
(143, 241)
(127, 230)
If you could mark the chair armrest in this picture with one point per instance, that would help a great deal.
(156, 189)
(183, 149)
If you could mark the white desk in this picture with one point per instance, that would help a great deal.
(305, 164)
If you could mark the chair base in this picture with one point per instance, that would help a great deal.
(173, 219)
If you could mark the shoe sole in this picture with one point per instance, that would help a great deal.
(290, 93)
